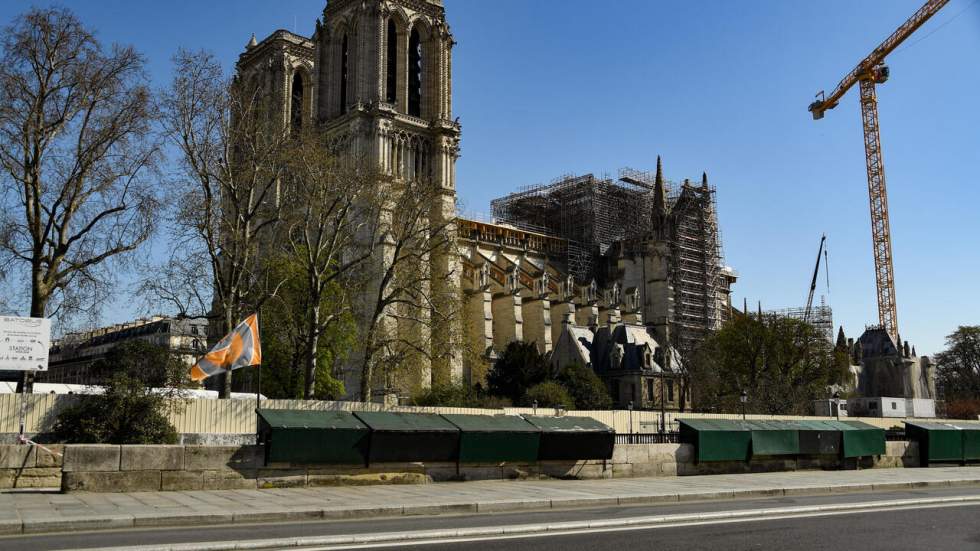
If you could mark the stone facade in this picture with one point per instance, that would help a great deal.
(73, 355)
(376, 76)
(108, 468)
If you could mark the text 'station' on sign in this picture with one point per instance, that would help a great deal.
(24, 343)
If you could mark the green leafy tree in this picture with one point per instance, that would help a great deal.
(780, 363)
(142, 383)
(958, 372)
(585, 387)
(519, 368)
(286, 336)
(548, 394)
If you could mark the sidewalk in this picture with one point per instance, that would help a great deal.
(23, 512)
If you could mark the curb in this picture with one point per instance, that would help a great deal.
(556, 527)
(118, 522)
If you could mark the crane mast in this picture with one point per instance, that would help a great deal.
(870, 71)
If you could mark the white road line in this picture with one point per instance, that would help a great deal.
(630, 528)
(520, 531)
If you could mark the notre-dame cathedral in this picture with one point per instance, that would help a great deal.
(636, 256)
(375, 76)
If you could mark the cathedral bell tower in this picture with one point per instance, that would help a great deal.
(384, 96)
(384, 87)
(376, 78)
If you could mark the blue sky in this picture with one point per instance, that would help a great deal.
(549, 87)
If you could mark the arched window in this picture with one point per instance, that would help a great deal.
(415, 75)
(296, 103)
(344, 70)
(391, 86)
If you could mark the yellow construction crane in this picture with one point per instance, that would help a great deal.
(872, 70)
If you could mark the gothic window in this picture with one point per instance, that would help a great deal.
(296, 103)
(392, 75)
(415, 74)
(344, 71)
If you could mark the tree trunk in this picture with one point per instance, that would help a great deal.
(367, 371)
(39, 301)
(312, 343)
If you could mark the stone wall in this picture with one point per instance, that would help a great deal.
(109, 468)
(30, 466)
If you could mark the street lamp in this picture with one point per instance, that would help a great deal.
(743, 398)
(629, 406)
(837, 404)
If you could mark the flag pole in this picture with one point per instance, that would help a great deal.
(258, 382)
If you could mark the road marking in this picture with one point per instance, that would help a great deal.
(521, 531)
(631, 528)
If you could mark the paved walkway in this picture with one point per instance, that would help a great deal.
(26, 512)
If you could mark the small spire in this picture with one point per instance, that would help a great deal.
(659, 190)
(252, 43)
(841, 339)
(914, 355)
(704, 180)
(745, 305)
(760, 310)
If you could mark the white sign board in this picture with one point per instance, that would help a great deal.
(24, 343)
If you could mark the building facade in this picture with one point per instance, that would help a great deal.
(376, 78)
(585, 267)
(72, 356)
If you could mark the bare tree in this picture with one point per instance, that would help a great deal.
(330, 204)
(77, 157)
(229, 198)
(406, 297)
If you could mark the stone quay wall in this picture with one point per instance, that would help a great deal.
(111, 468)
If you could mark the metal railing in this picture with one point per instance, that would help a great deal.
(649, 438)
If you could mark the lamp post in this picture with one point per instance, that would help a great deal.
(743, 398)
(663, 410)
(629, 407)
(837, 404)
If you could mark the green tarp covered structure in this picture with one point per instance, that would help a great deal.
(573, 438)
(860, 439)
(410, 437)
(737, 440)
(495, 438)
(818, 437)
(774, 437)
(717, 439)
(945, 441)
(304, 436)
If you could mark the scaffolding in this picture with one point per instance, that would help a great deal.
(696, 262)
(596, 214)
(821, 318)
(591, 213)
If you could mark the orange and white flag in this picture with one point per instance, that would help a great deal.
(240, 348)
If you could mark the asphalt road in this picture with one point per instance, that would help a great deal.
(929, 528)
(951, 528)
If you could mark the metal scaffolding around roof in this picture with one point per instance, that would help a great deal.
(697, 263)
(591, 212)
(595, 213)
